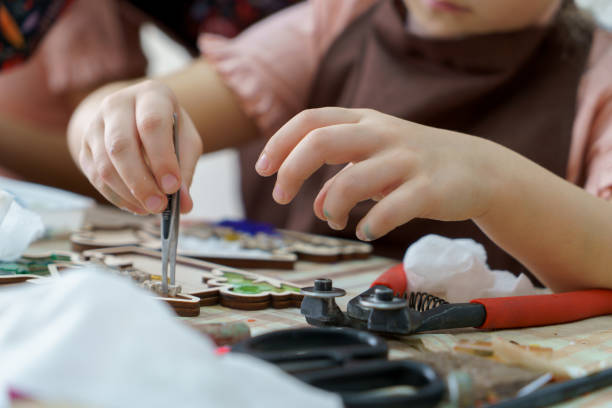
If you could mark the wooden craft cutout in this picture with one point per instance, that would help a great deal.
(271, 251)
(97, 238)
(34, 266)
(320, 248)
(39, 268)
(308, 247)
(211, 283)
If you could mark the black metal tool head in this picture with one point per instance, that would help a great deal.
(319, 304)
(379, 310)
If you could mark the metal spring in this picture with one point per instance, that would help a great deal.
(422, 301)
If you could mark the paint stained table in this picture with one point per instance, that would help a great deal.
(582, 347)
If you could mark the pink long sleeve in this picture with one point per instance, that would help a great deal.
(591, 153)
(271, 65)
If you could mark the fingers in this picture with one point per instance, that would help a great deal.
(154, 124)
(185, 199)
(123, 147)
(104, 172)
(328, 145)
(376, 176)
(128, 150)
(320, 199)
(408, 201)
(287, 137)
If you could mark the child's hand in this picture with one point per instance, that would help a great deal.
(126, 148)
(412, 170)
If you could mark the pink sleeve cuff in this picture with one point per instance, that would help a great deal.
(269, 66)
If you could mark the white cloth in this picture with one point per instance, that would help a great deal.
(457, 270)
(18, 228)
(62, 212)
(94, 339)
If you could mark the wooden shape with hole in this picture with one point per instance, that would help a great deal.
(49, 265)
(148, 237)
(210, 283)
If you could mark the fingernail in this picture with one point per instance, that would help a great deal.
(153, 203)
(334, 226)
(169, 183)
(278, 194)
(365, 234)
(262, 164)
(326, 214)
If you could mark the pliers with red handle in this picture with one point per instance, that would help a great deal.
(384, 308)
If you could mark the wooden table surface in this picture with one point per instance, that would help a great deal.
(584, 345)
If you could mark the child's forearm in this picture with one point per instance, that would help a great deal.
(557, 230)
(214, 109)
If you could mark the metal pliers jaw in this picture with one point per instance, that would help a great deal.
(377, 309)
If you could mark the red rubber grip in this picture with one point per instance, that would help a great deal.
(541, 310)
(394, 278)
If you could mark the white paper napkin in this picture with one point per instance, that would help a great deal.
(18, 228)
(457, 270)
(97, 340)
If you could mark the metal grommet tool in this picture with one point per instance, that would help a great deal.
(383, 299)
(323, 289)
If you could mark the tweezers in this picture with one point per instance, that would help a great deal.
(170, 225)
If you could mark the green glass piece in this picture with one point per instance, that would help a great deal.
(35, 266)
(249, 289)
(241, 284)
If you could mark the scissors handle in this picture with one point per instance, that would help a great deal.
(307, 349)
(357, 385)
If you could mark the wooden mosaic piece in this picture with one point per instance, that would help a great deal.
(37, 268)
(261, 250)
(148, 237)
(308, 247)
(319, 248)
(34, 266)
(210, 283)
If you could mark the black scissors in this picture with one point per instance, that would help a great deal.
(349, 362)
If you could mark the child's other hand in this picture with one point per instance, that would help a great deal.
(127, 151)
(411, 170)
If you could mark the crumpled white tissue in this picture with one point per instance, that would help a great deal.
(93, 339)
(457, 270)
(18, 228)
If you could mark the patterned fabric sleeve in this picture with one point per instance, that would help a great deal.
(23, 23)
